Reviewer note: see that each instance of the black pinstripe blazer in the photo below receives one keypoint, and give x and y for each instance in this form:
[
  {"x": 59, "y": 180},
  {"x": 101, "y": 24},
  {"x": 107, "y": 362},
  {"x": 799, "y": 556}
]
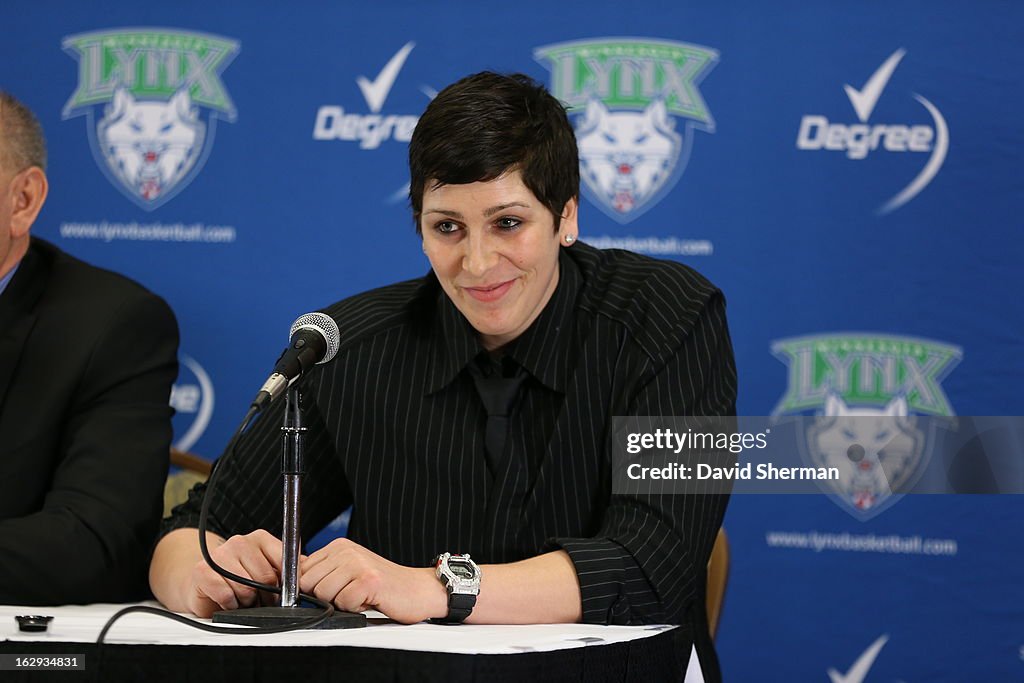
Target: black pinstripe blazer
[{"x": 397, "y": 431}]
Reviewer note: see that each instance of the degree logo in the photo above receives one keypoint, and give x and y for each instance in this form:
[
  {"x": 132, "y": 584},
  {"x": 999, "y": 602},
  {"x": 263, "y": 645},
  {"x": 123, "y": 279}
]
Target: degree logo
[
  {"x": 369, "y": 130},
  {"x": 858, "y": 140},
  {"x": 192, "y": 399}
]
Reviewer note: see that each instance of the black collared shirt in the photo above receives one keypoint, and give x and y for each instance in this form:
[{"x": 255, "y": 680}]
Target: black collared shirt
[{"x": 396, "y": 429}]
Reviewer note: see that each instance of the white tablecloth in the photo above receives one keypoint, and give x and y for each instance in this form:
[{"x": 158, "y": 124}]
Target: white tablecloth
[{"x": 82, "y": 624}]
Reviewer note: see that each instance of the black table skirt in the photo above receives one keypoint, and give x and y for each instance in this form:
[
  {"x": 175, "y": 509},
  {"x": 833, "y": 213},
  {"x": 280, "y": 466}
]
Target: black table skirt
[{"x": 644, "y": 660}]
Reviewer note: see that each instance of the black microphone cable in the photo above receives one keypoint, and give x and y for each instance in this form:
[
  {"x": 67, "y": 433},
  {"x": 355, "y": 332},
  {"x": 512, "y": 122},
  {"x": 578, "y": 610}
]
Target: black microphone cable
[{"x": 306, "y": 623}]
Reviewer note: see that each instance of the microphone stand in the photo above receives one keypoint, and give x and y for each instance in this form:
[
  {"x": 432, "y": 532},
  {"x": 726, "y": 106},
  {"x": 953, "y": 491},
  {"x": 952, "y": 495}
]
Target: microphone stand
[{"x": 292, "y": 469}]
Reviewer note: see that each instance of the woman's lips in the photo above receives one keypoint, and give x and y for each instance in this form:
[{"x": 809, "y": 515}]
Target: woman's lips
[{"x": 489, "y": 294}]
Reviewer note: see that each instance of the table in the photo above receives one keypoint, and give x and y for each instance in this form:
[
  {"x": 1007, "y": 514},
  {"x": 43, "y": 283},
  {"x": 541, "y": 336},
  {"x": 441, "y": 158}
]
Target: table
[{"x": 148, "y": 648}]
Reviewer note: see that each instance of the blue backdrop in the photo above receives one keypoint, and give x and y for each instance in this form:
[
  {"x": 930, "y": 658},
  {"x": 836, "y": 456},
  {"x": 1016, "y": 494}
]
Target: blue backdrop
[{"x": 848, "y": 173}]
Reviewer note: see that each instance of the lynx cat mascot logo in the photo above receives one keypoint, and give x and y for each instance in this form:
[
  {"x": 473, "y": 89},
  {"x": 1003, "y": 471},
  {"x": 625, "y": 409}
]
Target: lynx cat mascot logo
[
  {"x": 866, "y": 391},
  {"x": 876, "y": 450},
  {"x": 152, "y": 98},
  {"x": 150, "y": 146},
  {"x": 635, "y": 105}
]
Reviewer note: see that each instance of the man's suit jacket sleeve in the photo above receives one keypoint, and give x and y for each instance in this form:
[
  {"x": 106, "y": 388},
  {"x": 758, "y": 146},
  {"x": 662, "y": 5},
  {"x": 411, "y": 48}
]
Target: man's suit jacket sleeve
[{"x": 92, "y": 539}]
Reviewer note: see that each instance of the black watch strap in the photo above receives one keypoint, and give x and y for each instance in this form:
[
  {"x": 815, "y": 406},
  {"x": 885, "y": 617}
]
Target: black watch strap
[{"x": 459, "y": 607}]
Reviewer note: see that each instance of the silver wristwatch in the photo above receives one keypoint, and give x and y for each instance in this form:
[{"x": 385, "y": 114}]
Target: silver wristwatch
[{"x": 461, "y": 578}]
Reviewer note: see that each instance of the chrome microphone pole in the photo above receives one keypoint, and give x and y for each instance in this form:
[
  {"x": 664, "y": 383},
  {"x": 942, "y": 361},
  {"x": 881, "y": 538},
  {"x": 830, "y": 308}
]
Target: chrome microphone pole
[{"x": 292, "y": 469}]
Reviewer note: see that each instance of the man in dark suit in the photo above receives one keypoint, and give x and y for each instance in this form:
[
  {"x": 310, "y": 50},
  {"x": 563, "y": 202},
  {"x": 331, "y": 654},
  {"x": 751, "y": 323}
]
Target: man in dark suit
[{"x": 87, "y": 359}]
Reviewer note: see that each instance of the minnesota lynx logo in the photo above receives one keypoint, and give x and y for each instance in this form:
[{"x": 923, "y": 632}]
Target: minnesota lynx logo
[
  {"x": 152, "y": 98},
  {"x": 866, "y": 391},
  {"x": 876, "y": 450},
  {"x": 635, "y": 104}
]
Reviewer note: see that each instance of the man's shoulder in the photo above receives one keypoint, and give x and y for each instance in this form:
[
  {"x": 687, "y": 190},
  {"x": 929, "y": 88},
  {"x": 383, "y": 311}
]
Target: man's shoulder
[
  {"x": 396, "y": 307},
  {"x": 101, "y": 286},
  {"x": 658, "y": 301},
  {"x": 81, "y": 322}
]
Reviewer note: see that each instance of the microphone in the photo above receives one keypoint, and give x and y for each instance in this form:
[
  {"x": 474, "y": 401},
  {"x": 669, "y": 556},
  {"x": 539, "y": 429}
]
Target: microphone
[{"x": 314, "y": 339}]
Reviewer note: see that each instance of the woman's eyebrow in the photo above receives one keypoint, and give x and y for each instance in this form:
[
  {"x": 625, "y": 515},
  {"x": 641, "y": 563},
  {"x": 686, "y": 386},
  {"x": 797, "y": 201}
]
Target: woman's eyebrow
[
  {"x": 446, "y": 212},
  {"x": 487, "y": 212},
  {"x": 501, "y": 207}
]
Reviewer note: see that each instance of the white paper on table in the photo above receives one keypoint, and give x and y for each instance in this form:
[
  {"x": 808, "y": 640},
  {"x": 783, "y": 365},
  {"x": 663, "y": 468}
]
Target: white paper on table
[{"x": 82, "y": 624}]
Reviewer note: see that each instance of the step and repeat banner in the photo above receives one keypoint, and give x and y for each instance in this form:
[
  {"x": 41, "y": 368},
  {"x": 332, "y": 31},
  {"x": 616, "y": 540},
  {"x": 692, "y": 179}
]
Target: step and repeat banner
[{"x": 850, "y": 174}]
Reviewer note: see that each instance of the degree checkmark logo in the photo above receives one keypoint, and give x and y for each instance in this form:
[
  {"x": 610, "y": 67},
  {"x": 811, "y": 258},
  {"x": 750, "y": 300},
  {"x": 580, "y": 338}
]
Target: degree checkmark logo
[
  {"x": 865, "y": 99},
  {"x": 859, "y": 671},
  {"x": 377, "y": 90}
]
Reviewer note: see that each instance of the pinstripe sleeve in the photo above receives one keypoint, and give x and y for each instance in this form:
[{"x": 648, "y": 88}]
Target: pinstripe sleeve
[{"x": 647, "y": 562}]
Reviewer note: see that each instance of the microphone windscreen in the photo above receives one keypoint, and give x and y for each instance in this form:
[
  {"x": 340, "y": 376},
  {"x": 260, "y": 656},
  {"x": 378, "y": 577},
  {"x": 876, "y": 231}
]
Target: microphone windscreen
[{"x": 325, "y": 325}]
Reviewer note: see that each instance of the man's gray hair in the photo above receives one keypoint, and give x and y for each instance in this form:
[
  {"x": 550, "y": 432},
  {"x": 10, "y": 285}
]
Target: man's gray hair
[{"x": 22, "y": 144}]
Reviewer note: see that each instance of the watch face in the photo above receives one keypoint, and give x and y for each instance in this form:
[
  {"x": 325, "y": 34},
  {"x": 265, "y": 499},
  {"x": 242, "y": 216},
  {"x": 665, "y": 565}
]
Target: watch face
[{"x": 461, "y": 570}]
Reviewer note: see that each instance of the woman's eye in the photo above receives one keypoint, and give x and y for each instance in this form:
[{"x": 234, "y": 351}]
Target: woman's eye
[
  {"x": 446, "y": 227},
  {"x": 508, "y": 223}
]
